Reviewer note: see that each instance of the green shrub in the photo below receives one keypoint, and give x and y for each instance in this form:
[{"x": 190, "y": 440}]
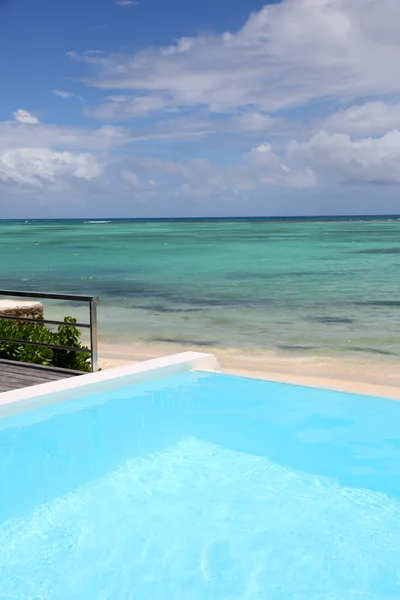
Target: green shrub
[{"x": 36, "y": 332}]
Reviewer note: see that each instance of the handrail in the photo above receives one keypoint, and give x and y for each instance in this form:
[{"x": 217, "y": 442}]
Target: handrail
[
  {"x": 92, "y": 325},
  {"x": 42, "y": 321},
  {"x": 43, "y": 344},
  {"x": 50, "y": 296}
]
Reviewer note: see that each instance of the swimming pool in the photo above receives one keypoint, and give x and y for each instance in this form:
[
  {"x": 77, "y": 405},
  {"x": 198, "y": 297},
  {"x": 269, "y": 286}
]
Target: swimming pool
[{"x": 202, "y": 486}]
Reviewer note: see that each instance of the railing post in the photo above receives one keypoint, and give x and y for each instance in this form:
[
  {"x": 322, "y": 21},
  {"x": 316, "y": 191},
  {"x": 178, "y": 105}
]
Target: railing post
[
  {"x": 92, "y": 325},
  {"x": 93, "y": 336}
]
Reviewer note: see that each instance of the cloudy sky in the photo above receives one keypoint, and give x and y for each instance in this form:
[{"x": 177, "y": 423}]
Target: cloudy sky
[{"x": 199, "y": 107}]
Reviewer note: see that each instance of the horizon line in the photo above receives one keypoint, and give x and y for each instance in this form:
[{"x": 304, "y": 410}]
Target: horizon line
[{"x": 226, "y": 218}]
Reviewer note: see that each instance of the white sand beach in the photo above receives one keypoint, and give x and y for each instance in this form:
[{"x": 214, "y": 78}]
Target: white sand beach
[{"x": 360, "y": 376}]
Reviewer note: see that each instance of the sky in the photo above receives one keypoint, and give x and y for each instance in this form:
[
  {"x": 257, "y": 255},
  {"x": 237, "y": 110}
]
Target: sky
[{"x": 174, "y": 108}]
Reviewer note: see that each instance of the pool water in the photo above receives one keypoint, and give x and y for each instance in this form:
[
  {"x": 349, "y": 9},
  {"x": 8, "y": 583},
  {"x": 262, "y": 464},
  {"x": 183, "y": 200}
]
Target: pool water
[{"x": 199, "y": 487}]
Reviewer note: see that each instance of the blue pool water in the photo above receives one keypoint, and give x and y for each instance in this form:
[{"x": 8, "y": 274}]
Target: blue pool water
[{"x": 202, "y": 487}]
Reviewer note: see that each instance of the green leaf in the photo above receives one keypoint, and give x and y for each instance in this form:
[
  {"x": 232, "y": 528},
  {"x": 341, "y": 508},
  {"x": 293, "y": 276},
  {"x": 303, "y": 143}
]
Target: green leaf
[{"x": 36, "y": 332}]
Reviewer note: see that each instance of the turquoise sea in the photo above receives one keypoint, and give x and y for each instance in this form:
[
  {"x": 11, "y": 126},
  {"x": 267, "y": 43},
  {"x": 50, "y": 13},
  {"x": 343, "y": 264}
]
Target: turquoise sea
[{"x": 300, "y": 287}]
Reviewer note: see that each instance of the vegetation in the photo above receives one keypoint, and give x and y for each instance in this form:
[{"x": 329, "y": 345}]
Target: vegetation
[{"x": 36, "y": 332}]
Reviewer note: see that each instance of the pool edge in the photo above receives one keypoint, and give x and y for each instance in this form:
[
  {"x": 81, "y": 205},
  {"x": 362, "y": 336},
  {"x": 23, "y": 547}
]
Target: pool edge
[{"x": 17, "y": 401}]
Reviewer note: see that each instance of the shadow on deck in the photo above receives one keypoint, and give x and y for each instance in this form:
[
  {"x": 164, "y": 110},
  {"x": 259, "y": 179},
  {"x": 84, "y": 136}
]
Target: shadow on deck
[{"x": 14, "y": 376}]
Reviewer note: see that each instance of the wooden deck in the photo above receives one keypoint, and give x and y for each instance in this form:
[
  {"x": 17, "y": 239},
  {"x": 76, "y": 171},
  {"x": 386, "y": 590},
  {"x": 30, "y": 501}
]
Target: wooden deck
[{"x": 14, "y": 376}]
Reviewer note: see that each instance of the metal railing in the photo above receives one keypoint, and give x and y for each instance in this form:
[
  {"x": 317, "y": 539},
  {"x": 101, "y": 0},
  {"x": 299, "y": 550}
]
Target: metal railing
[{"x": 92, "y": 325}]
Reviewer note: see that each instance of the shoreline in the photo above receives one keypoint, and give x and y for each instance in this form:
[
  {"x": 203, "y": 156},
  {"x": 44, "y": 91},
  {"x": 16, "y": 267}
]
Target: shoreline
[{"x": 359, "y": 376}]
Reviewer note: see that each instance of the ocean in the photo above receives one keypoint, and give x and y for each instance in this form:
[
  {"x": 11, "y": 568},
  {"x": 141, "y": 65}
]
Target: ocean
[{"x": 308, "y": 287}]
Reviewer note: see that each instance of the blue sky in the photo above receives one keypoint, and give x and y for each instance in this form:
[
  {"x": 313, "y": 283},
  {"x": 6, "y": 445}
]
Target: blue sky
[{"x": 212, "y": 107}]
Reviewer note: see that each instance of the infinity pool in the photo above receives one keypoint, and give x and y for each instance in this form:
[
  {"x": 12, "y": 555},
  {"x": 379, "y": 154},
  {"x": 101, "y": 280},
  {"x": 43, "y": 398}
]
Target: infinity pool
[{"x": 202, "y": 486}]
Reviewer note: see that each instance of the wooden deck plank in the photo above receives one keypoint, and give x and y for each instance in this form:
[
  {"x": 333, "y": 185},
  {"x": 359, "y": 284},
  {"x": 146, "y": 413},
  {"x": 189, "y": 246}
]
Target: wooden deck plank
[
  {"x": 14, "y": 376},
  {"x": 34, "y": 377},
  {"x": 32, "y": 373}
]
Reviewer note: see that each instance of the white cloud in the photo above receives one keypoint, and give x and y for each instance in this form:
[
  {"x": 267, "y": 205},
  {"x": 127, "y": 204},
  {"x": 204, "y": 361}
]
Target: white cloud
[
  {"x": 35, "y": 166},
  {"x": 66, "y": 95},
  {"x": 251, "y": 122},
  {"x": 199, "y": 178},
  {"x": 23, "y": 116},
  {"x": 27, "y": 132},
  {"x": 125, "y": 2},
  {"x": 367, "y": 160},
  {"x": 284, "y": 56},
  {"x": 117, "y": 108},
  {"x": 275, "y": 172},
  {"x": 371, "y": 118},
  {"x": 34, "y": 154},
  {"x": 32, "y": 133},
  {"x": 122, "y": 107},
  {"x": 259, "y": 83}
]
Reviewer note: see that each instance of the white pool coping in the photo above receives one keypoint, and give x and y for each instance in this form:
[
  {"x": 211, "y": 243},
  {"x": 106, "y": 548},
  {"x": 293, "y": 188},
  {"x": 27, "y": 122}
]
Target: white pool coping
[{"x": 53, "y": 392}]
